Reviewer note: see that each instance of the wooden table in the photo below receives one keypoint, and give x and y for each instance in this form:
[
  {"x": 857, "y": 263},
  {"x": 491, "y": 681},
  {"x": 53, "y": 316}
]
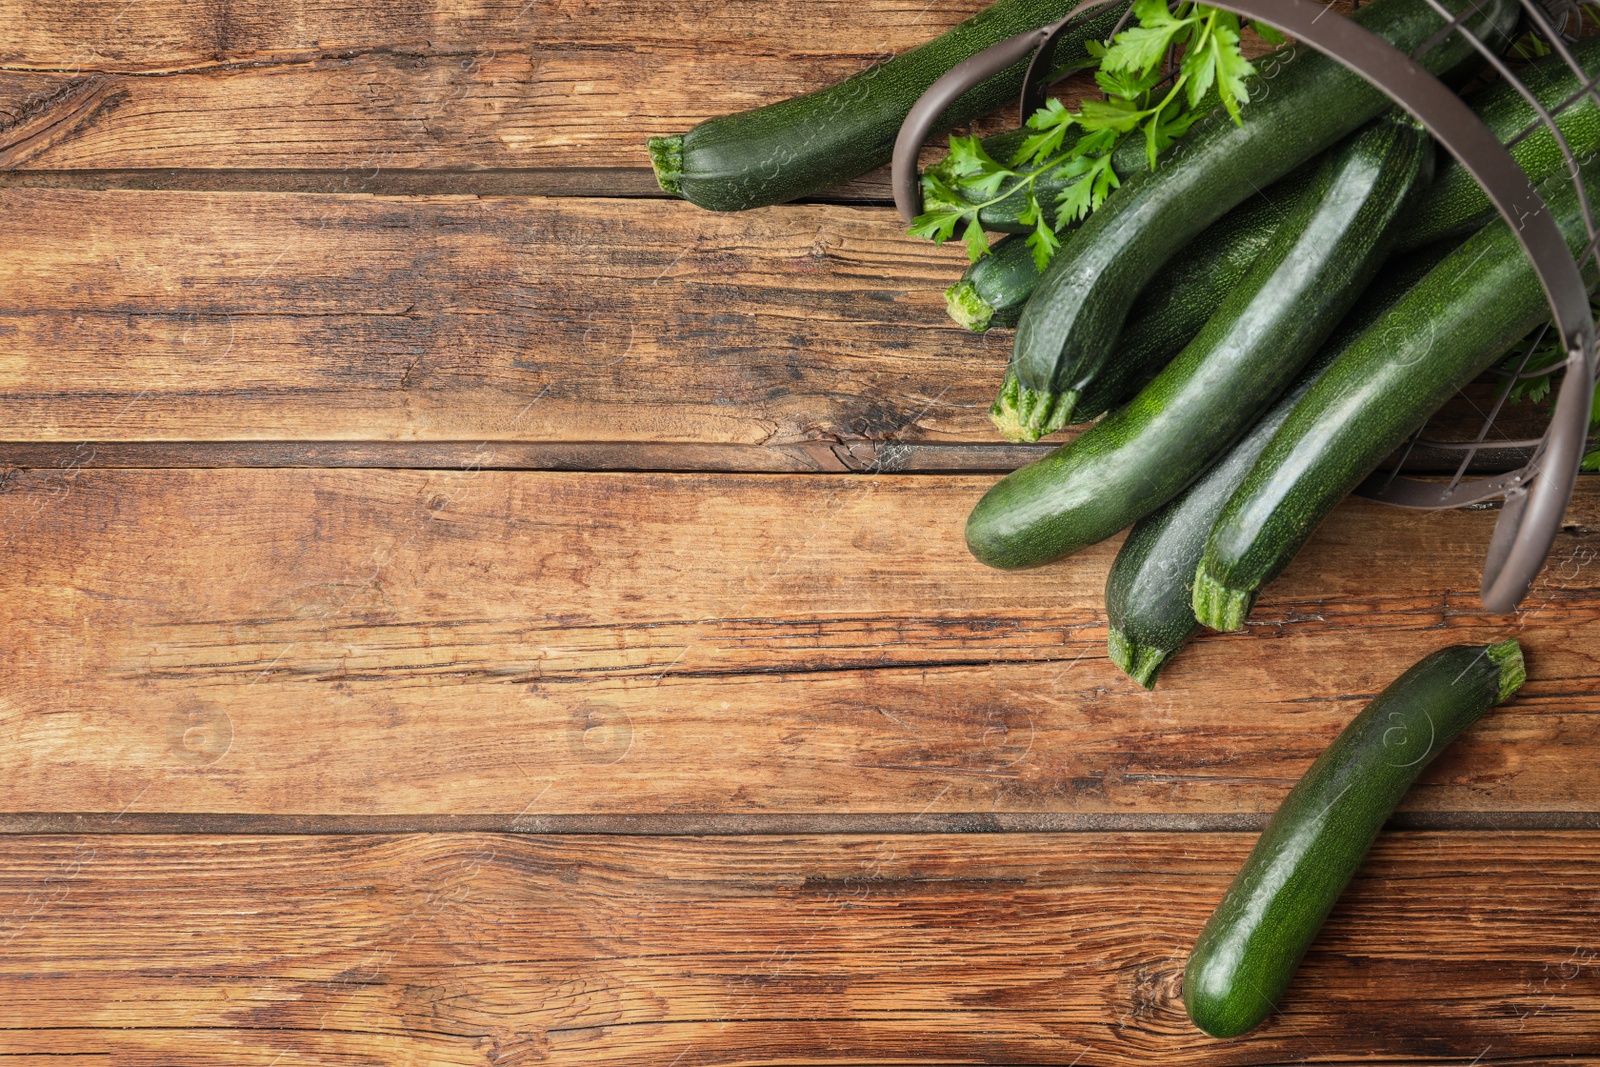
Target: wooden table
[{"x": 459, "y": 607}]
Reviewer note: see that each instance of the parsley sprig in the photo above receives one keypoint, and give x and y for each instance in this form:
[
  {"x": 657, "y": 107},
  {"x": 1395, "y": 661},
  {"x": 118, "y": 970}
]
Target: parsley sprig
[{"x": 1141, "y": 95}]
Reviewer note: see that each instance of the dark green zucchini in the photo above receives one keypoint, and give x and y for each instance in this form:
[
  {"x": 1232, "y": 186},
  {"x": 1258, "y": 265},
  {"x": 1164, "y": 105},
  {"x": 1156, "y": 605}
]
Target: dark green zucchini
[
  {"x": 1167, "y": 315},
  {"x": 1446, "y": 331},
  {"x": 1457, "y": 204},
  {"x": 803, "y": 145},
  {"x": 1143, "y": 455},
  {"x": 992, "y": 291},
  {"x": 1069, "y": 328},
  {"x": 1247, "y": 953},
  {"x": 1149, "y": 588}
]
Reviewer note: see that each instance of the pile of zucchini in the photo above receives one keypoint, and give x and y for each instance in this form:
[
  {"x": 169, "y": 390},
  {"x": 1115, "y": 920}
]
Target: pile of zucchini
[
  {"x": 1318, "y": 339},
  {"x": 1253, "y": 324}
]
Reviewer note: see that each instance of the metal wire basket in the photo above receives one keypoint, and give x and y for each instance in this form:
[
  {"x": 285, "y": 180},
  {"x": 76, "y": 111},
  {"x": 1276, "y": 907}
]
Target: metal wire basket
[{"x": 1536, "y": 492}]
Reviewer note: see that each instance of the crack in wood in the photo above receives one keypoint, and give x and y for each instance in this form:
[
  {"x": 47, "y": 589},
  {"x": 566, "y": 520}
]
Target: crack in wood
[
  {"x": 309, "y": 57},
  {"x": 711, "y": 824}
]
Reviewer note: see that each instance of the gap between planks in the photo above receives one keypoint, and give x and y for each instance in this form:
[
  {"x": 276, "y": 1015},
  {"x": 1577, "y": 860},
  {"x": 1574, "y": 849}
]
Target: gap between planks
[
  {"x": 848, "y": 457},
  {"x": 616, "y": 183},
  {"x": 717, "y": 825},
  {"x": 820, "y": 457}
]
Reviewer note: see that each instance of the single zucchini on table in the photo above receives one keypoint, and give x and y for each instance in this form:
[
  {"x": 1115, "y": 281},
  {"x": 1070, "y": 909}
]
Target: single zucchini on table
[
  {"x": 1069, "y": 328},
  {"x": 1249, "y": 950},
  {"x": 803, "y": 145},
  {"x": 1249, "y": 351}
]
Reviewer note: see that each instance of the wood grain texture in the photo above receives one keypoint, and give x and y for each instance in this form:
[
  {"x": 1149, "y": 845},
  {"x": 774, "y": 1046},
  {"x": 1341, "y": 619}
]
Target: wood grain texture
[
  {"x": 801, "y": 338},
  {"x": 1034, "y": 949},
  {"x": 371, "y": 642},
  {"x": 436, "y": 84},
  {"x": 164, "y": 316},
  {"x": 864, "y": 726}
]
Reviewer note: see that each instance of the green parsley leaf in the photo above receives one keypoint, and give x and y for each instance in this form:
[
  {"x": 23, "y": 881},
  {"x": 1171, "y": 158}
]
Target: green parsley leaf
[
  {"x": 1044, "y": 242},
  {"x": 968, "y": 157},
  {"x": 1144, "y": 93},
  {"x": 1052, "y": 121},
  {"x": 1118, "y": 115},
  {"x": 1139, "y": 50},
  {"x": 1199, "y": 69},
  {"x": 937, "y": 226},
  {"x": 1087, "y": 193},
  {"x": 977, "y": 241},
  {"x": 1268, "y": 34},
  {"x": 1231, "y": 70},
  {"x": 1126, "y": 86}
]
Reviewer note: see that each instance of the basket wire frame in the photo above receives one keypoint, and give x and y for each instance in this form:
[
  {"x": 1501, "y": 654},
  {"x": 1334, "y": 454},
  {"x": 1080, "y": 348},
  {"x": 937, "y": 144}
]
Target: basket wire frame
[{"x": 1537, "y": 491}]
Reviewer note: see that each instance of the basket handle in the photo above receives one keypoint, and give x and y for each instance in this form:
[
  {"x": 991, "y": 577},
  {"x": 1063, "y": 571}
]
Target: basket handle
[
  {"x": 1531, "y": 518},
  {"x": 924, "y": 116}
]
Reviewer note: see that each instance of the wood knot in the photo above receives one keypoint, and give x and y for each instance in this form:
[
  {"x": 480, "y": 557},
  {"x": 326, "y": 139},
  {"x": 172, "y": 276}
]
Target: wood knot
[{"x": 1155, "y": 996}]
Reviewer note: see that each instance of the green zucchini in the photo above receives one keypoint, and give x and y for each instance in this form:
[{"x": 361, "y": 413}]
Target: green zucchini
[
  {"x": 1069, "y": 328},
  {"x": 1144, "y": 454},
  {"x": 1446, "y": 331},
  {"x": 1313, "y": 844},
  {"x": 1454, "y": 206},
  {"x": 1168, "y": 314},
  {"x": 1457, "y": 204},
  {"x": 805, "y": 144},
  {"x": 1149, "y": 587},
  {"x": 992, "y": 291}
]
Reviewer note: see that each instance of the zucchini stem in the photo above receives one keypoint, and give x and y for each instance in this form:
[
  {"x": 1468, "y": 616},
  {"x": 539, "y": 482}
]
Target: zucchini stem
[
  {"x": 1219, "y": 606},
  {"x": 1139, "y": 663},
  {"x": 1507, "y": 655},
  {"x": 967, "y": 307},
  {"x": 1024, "y": 414},
  {"x": 666, "y": 158}
]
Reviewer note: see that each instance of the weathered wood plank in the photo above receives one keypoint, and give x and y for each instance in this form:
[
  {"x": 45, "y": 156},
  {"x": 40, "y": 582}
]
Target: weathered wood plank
[
  {"x": 809, "y": 337},
  {"x": 745, "y": 824},
  {"x": 534, "y": 181},
  {"x": 372, "y": 642},
  {"x": 441, "y": 84},
  {"x": 160, "y": 36},
  {"x": 1017, "y": 948},
  {"x": 164, "y": 316}
]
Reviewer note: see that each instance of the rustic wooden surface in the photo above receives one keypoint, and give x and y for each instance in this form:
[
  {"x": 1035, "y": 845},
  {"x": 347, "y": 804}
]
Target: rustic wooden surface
[
  {"x": 459, "y": 606},
  {"x": 440, "y": 84},
  {"x": 1004, "y": 948},
  {"x": 808, "y": 337},
  {"x": 489, "y": 642}
]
